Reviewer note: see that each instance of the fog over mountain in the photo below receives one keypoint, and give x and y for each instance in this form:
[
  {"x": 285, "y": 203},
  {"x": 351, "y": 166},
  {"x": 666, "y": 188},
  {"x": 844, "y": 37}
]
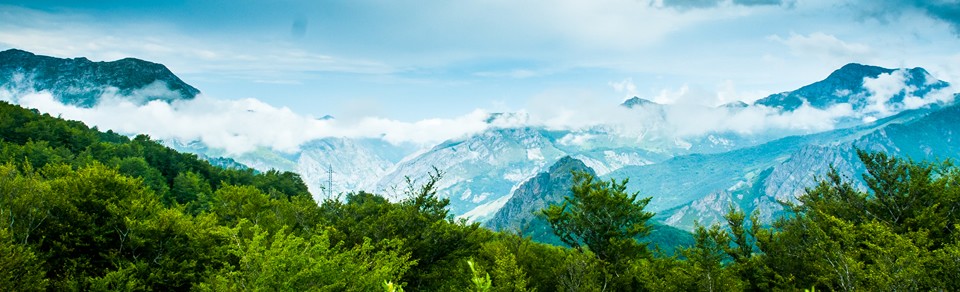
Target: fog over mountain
[
  {"x": 485, "y": 155},
  {"x": 243, "y": 125}
]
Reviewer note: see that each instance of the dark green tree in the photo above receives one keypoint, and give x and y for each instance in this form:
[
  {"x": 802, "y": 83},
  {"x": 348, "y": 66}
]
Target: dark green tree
[
  {"x": 705, "y": 260},
  {"x": 436, "y": 242},
  {"x": 604, "y": 218},
  {"x": 20, "y": 269}
]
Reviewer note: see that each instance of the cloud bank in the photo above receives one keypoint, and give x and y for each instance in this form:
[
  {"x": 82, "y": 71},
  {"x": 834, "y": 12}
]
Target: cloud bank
[
  {"x": 822, "y": 45},
  {"x": 242, "y": 125},
  {"x": 689, "y": 112}
]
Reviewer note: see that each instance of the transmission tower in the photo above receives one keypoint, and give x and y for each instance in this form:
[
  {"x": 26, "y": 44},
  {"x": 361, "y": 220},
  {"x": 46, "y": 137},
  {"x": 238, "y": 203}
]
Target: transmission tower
[{"x": 329, "y": 181}]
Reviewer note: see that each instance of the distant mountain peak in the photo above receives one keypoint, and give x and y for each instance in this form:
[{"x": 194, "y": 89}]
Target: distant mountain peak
[
  {"x": 16, "y": 52},
  {"x": 846, "y": 85},
  {"x": 636, "y": 101},
  {"x": 859, "y": 69},
  {"x": 537, "y": 193},
  {"x": 734, "y": 105},
  {"x": 79, "y": 81},
  {"x": 567, "y": 164},
  {"x": 492, "y": 117}
]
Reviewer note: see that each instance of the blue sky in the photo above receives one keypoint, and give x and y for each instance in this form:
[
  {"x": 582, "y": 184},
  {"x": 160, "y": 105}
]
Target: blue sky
[{"x": 415, "y": 60}]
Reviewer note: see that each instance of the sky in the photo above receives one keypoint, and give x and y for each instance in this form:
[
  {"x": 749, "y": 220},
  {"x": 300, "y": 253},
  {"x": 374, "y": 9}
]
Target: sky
[{"x": 415, "y": 62}]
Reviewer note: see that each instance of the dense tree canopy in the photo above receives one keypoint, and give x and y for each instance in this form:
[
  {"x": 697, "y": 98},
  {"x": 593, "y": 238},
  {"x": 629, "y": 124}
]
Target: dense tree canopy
[{"x": 82, "y": 209}]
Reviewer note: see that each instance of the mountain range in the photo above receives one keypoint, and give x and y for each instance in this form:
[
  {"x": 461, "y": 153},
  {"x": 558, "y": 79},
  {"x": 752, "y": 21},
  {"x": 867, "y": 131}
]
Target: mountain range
[
  {"x": 846, "y": 86},
  {"x": 82, "y": 82},
  {"x": 501, "y": 175}
]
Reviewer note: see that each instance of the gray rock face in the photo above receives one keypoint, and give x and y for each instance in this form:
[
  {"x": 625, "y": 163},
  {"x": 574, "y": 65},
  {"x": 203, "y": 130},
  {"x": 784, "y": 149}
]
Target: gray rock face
[
  {"x": 537, "y": 193},
  {"x": 480, "y": 171},
  {"x": 82, "y": 82},
  {"x": 804, "y": 168},
  {"x": 357, "y": 164},
  {"x": 765, "y": 180}
]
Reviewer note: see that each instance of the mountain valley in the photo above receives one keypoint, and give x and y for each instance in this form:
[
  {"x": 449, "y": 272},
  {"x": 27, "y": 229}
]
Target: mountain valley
[{"x": 491, "y": 175}]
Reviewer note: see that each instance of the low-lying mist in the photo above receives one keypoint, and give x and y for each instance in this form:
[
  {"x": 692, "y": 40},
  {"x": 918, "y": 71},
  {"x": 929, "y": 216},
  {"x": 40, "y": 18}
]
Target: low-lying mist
[{"x": 243, "y": 125}]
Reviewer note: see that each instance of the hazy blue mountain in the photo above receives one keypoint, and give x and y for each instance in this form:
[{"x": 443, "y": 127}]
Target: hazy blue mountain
[
  {"x": 540, "y": 191},
  {"x": 735, "y": 105},
  {"x": 82, "y": 82},
  {"x": 638, "y": 102},
  {"x": 224, "y": 162},
  {"x": 261, "y": 159},
  {"x": 215, "y": 158},
  {"x": 701, "y": 187},
  {"x": 547, "y": 188},
  {"x": 845, "y": 85},
  {"x": 357, "y": 163},
  {"x": 656, "y": 130},
  {"x": 482, "y": 170}
]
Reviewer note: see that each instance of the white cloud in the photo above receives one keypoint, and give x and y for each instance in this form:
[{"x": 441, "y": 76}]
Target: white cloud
[
  {"x": 678, "y": 120},
  {"x": 576, "y": 139},
  {"x": 571, "y": 33},
  {"x": 883, "y": 88},
  {"x": 727, "y": 92},
  {"x": 685, "y": 94},
  {"x": 723, "y": 93},
  {"x": 240, "y": 126},
  {"x": 568, "y": 42},
  {"x": 691, "y": 120},
  {"x": 69, "y": 35},
  {"x": 688, "y": 111},
  {"x": 243, "y": 125},
  {"x": 822, "y": 45},
  {"x": 625, "y": 87}
]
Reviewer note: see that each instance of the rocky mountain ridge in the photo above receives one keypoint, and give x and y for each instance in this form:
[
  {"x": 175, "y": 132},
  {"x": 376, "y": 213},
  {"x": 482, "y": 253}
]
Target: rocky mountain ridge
[{"x": 82, "y": 82}]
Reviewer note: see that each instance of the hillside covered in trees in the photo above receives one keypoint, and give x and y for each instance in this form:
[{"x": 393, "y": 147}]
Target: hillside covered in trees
[{"x": 82, "y": 209}]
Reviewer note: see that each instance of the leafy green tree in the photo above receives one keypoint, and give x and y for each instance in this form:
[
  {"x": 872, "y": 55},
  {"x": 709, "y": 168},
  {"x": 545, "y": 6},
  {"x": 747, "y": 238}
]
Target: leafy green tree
[
  {"x": 944, "y": 265},
  {"x": 663, "y": 273},
  {"x": 842, "y": 238},
  {"x": 604, "y": 218},
  {"x": 910, "y": 196},
  {"x": 137, "y": 167},
  {"x": 286, "y": 262},
  {"x": 26, "y": 202},
  {"x": 706, "y": 260},
  {"x": 277, "y": 184},
  {"x": 192, "y": 190},
  {"x": 112, "y": 232},
  {"x": 20, "y": 268},
  {"x": 236, "y": 203},
  {"x": 436, "y": 242},
  {"x": 505, "y": 271},
  {"x": 520, "y": 264},
  {"x": 580, "y": 271},
  {"x": 480, "y": 280}
]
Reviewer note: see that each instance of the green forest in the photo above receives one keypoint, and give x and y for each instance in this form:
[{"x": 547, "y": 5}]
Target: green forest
[{"x": 82, "y": 209}]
